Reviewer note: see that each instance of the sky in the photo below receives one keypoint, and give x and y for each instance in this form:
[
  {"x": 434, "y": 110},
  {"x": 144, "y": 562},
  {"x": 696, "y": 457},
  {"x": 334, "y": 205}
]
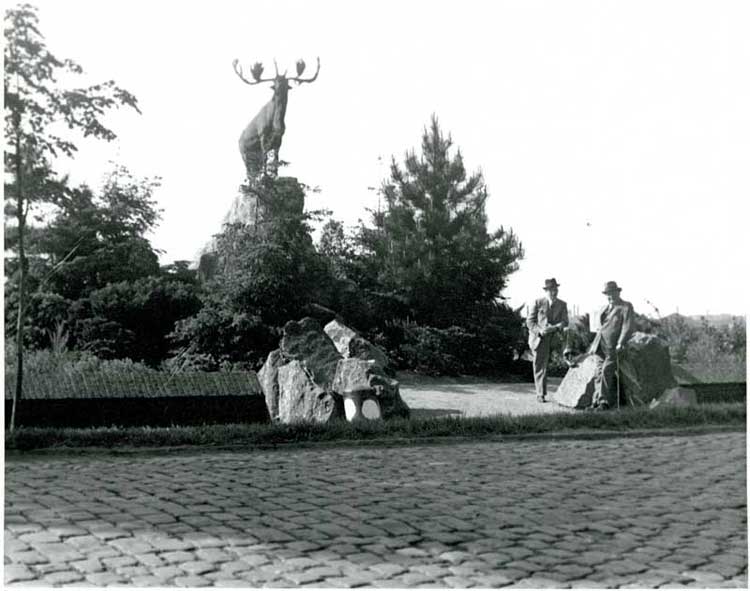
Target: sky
[{"x": 614, "y": 137}]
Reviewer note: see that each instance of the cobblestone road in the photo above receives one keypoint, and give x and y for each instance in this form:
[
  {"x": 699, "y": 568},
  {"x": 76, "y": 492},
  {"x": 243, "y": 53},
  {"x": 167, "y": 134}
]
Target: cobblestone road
[{"x": 640, "y": 512}]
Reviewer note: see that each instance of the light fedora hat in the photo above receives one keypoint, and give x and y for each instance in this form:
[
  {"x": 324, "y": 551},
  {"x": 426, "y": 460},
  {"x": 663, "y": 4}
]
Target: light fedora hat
[
  {"x": 550, "y": 283},
  {"x": 610, "y": 287}
]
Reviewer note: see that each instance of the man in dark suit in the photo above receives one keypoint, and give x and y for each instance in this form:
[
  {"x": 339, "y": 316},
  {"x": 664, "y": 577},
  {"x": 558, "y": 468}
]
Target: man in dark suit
[
  {"x": 617, "y": 325},
  {"x": 548, "y": 316}
]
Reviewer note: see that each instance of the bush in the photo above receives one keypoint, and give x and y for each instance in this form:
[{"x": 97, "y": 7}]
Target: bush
[{"x": 477, "y": 349}]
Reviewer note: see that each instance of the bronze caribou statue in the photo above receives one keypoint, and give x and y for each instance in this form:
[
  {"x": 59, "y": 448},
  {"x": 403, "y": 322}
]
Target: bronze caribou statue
[{"x": 264, "y": 133}]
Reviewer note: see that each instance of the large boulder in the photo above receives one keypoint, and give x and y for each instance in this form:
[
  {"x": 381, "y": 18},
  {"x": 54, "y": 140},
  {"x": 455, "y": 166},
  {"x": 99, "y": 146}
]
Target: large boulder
[
  {"x": 350, "y": 344},
  {"x": 645, "y": 373},
  {"x": 268, "y": 376},
  {"x": 301, "y": 399},
  {"x": 645, "y": 369},
  {"x": 577, "y": 387},
  {"x": 308, "y": 377},
  {"x": 306, "y": 342},
  {"x": 364, "y": 379}
]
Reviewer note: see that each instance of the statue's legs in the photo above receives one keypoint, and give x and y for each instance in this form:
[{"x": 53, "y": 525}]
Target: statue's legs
[{"x": 272, "y": 163}]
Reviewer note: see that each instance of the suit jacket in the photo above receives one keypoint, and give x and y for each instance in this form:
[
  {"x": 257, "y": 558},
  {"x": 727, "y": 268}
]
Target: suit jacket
[
  {"x": 617, "y": 326},
  {"x": 542, "y": 315}
]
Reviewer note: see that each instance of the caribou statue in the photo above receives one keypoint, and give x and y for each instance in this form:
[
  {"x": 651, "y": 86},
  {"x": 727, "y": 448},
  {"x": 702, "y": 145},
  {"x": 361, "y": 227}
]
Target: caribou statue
[{"x": 263, "y": 134}]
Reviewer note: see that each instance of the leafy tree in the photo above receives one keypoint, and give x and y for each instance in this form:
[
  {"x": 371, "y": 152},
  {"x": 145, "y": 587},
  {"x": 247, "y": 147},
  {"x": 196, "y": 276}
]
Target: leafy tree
[
  {"x": 131, "y": 319},
  {"x": 94, "y": 240},
  {"x": 431, "y": 244},
  {"x": 35, "y": 105}
]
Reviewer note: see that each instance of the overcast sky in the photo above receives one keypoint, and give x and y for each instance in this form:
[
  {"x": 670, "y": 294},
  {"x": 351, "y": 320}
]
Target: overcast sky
[{"x": 614, "y": 136}]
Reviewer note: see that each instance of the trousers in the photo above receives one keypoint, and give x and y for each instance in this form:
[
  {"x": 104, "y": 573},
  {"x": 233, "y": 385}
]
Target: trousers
[
  {"x": 539, "y": 364},
  {"x": 605, "y": 382}
]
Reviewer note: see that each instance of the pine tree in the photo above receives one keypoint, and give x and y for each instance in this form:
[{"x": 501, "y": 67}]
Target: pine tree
[{"x": 432, "y": 244}]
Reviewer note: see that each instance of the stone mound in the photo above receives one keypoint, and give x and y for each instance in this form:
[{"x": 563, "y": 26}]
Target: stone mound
[
  {"x": 645, "y": 373},
  {"x": 312, "y": 373}
]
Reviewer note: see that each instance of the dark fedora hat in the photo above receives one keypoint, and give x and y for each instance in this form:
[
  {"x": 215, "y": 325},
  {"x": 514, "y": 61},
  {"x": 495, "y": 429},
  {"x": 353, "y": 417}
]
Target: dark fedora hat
[
  {"x": 610, "y": 287},
  {"x": 550, "y": 283}
]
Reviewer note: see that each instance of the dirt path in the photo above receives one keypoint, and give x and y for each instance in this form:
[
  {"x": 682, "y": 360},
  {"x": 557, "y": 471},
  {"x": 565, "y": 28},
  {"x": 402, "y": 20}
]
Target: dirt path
[{"x": 473, "y": 397}]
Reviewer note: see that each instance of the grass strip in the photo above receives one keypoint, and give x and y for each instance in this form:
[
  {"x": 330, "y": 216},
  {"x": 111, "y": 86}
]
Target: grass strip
[{"x": 628, "y": 419}]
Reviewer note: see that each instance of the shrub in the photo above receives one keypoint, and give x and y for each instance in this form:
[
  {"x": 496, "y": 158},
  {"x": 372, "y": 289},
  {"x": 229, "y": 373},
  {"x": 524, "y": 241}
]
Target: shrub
[{"x": 476, "y": 349}]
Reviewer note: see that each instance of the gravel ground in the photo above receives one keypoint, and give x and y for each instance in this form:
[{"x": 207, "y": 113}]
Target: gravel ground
[{"x": 473, "y": 397}]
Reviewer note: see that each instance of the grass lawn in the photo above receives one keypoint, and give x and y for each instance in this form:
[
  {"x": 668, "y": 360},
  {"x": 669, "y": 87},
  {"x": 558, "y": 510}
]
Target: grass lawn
[{"x": 726, "y": 415}]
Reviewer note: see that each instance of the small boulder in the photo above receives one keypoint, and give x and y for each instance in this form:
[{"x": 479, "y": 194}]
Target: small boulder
[
  {"x": 350, "y": 344},
  {"x": 364, "y": 378},
  {"x": 577, "y": 387},
  {"x": 301, "y": 399},
  {"x": 677, "y": 396},
  {"x": 341, "y": 335}
]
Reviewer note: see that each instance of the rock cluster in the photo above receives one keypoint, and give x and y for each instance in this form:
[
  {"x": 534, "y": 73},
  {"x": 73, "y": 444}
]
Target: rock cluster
[
  {"x": 645, "y": 374},
  {"x": 316, "y": 369}
]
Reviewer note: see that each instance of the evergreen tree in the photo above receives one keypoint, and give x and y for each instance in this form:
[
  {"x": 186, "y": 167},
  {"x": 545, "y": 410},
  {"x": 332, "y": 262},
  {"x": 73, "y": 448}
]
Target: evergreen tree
[{"x": 432, "y": 245}]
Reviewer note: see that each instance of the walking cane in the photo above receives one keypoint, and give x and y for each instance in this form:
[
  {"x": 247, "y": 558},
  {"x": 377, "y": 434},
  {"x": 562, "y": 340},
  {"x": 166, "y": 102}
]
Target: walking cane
[{"x": 617, "y": 363}]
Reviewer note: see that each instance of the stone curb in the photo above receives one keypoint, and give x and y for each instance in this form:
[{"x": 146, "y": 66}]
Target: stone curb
[{"x": 376, "y": 442}]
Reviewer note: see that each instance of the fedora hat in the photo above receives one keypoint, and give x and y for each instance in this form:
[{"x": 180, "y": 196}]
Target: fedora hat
[
  {"x": 550, "y": 283},
  {"x": 610, "y": 287}
]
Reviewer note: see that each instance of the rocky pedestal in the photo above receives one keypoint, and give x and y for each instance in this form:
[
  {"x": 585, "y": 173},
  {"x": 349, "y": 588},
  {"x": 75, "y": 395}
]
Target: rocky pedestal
[
  {"x": 308, "y": 378},
  {"x": 254, "y": 205},
  {"x": 577, "y": 388}
]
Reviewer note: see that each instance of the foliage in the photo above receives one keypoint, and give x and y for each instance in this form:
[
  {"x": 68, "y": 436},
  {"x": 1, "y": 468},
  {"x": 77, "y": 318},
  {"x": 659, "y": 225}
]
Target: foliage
[
  {"x": 35, "y": 105},
  {"x": 268, "y": 274},
  {"x": 431, "y": 245},
  {"x": 32, "y": 91},
  {"x": 484, "y": 346},
  {"x": 128, "y": 319},
  {"x": 91, "y": 240},
  {"x": 423, "y": 279},
  {"x": 701, "y": 341},
  {"x": 220, "y": 337},
  {"x": 63, "y": 374},
  {"x": 147, "y": 309}
]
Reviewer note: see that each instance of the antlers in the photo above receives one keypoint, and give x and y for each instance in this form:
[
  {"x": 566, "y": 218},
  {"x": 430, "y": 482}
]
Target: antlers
[
  {"x": 300, "y": 69},
  {"x": 257, "y": 72}
]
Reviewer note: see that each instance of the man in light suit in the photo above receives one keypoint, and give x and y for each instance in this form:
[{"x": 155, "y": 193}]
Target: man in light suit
[
  {"x": 617, "y": 325},
  {"x": 547, "y": 317}
]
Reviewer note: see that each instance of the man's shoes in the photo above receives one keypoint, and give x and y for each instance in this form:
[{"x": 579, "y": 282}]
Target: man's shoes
[
  {"x": 602, "y": 407},
  {"x": 541, "y": 398}
]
